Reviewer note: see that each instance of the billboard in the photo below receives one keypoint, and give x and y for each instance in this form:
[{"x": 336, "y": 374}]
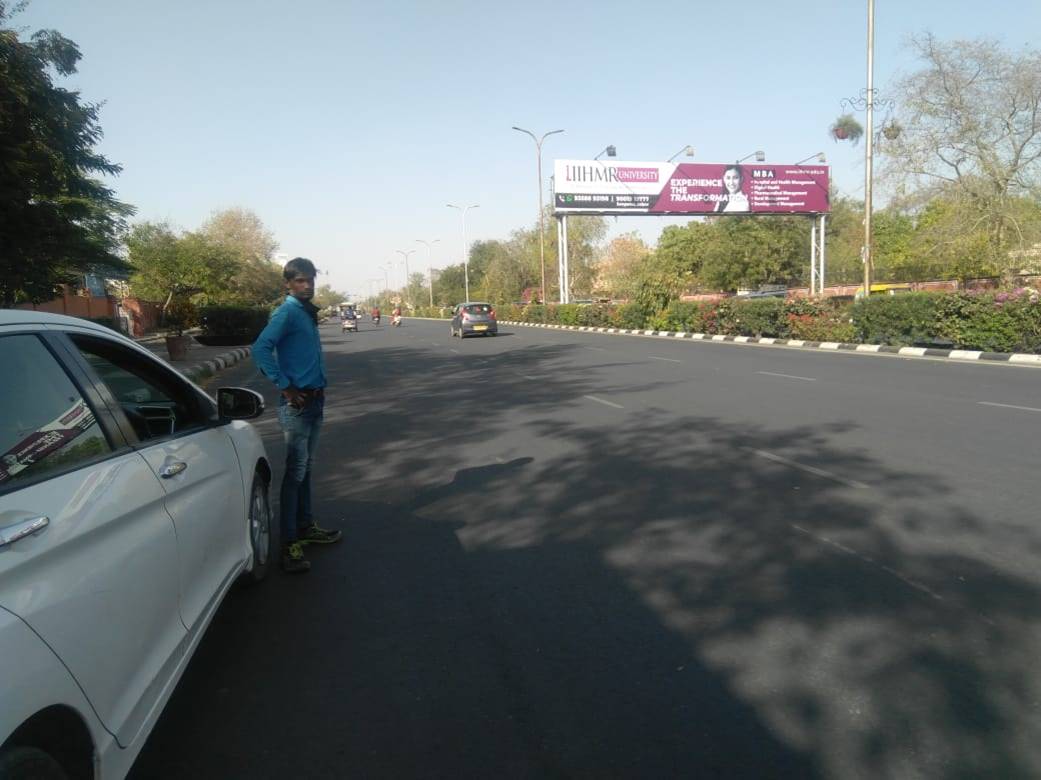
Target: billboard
[{"x": 610, "y": 187}]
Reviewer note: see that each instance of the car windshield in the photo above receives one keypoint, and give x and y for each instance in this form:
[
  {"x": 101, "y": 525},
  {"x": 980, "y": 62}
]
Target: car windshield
[{"x": 477, "y": 308}]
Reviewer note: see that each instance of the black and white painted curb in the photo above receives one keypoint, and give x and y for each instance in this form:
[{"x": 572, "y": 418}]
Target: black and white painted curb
[
  {"x": 835, "y": 346},
  {"x": 219, "y": 363}
]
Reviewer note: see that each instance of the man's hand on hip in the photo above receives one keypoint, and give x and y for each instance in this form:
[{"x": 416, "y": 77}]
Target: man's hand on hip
[{"x": 295, "y": 398}]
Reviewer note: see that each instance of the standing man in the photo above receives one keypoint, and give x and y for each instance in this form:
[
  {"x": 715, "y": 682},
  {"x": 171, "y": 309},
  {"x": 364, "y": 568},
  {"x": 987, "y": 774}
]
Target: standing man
[{"x": 289, "y": 353}]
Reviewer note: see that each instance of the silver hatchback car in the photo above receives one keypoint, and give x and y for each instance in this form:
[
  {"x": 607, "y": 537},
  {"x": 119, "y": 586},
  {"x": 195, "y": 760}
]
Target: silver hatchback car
[{"x": 474, "y": 317}]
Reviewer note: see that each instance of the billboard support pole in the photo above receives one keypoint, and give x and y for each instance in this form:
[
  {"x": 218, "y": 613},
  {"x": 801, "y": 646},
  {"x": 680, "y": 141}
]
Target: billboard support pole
[
  {"x": 813, "y": 256},
  {"x": 560, "y": 243},
  {"x": 565, "y": 265},
  {"x": 823, "y": 234}
]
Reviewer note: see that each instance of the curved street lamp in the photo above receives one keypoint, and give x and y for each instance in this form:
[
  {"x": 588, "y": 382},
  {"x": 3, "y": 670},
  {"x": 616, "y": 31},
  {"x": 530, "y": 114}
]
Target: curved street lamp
[
  {"x": 542, "y": 232},
  {"x": 687, "y": 151},
  {"x": 610, "y": 151},
  {"x": 405, "y": 254},
  {"x": 466, "y": 254},
  {"x": 819, "y": 157},
  {"x": 758, "y": 155},
  {"x": 430, "y": 267}
]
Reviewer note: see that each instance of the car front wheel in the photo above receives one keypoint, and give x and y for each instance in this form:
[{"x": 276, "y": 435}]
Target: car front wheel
[{"x": 259, "y": 528}]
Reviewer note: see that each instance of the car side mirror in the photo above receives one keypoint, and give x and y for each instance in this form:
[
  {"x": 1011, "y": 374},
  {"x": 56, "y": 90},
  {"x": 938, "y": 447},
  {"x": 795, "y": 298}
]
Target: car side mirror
[{"x": 239, "y": 403}]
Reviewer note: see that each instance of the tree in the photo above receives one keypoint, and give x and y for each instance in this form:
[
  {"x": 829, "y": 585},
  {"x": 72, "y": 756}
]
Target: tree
[
  {"x": 258, "y": 280},
  {"x": 584, "y": 237},
  {"x": 167, "y": 264},
  {"x": 326, "y": 297},
  {"x": 585, "y": 234},
  {"x": 448, "y": 286},
  {"x": 971, "y": 129},
  {"x": 618, "y": 270},
  {"x": 747, "y": 252},
  {"x": 416, "y": 293},
  {"x": 56, "y": 219},
  {"x": 503, "y": 275},
  {"x": 845, "y": 236}
]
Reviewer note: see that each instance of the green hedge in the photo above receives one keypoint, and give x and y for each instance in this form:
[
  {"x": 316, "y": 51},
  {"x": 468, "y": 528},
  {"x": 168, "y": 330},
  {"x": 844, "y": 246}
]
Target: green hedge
[
  {"x": 990, "y": 321},
  {"x": 900, "y": 320},
  {"x": 997, "y": 322}
]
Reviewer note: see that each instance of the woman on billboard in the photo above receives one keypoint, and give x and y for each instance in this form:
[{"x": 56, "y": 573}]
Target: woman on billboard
[{"x": 734, "y": 199}]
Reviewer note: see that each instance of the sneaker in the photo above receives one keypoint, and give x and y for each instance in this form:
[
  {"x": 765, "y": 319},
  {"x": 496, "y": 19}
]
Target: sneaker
[
  {"x": 293, "y": 559},
  {"x": 312, "y": 534}
]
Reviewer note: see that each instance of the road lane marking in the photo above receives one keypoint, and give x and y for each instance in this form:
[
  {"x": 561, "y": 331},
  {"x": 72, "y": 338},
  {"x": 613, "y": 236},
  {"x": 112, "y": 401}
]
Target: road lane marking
[
  {"x": 597, "y": 349},
  {"x": 456, "y": 351},
  {"x": 1009, "y": 406},
  {"x": 671, "y": 360},
  {"x": 602, "y": 401},
  {"x": 788, "y": 376},
  {"x": 871, "y": 561},
  {"x": 810, "y": 469}
]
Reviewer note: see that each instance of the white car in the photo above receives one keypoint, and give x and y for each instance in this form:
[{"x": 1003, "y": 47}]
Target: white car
[{"x": 130, "y": 503}]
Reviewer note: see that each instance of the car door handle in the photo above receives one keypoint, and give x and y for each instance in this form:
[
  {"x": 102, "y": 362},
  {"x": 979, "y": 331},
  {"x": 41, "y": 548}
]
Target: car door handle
[
  {"x": 172, "y": 469},
  {"x": 10, "y": 534}
]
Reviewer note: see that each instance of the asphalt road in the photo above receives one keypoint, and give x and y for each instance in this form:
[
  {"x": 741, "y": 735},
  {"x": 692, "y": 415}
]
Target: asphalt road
[{"x": 580, "y": 555}]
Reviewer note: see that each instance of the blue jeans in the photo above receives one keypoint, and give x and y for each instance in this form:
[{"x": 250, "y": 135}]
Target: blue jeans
[{"x": 300, "y": 429}]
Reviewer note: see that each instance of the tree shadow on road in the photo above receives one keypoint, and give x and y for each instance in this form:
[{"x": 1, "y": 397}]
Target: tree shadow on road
[{"x": 526, "y": 592}]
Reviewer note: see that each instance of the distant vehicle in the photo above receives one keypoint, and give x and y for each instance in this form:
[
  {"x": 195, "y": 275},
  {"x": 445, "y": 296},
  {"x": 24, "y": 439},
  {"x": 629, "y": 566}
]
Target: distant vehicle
[
  {"x": 766, "y": 291},
  {"x": 348, "y": 320},
  {"x": 474, "y": 317},
  {"x": 130, "y": 502},
  {"x": 890, "y": 289}
]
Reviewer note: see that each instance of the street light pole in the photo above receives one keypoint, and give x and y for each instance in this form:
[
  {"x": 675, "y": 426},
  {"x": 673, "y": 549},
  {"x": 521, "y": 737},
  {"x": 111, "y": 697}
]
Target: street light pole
[
  {"x": 370, "y": 281},
  {"x": 758, "y": 155},
  {"x": 542, "y": 231},
  {"x": 868, "y": 147},
  {"x": 687, "y": 150},
  {"x": 819, "y": 157},
  {"x": 405, "y": 254},
  {"x": 430, "y": 265},
  {"x": 466, "y": 254}
]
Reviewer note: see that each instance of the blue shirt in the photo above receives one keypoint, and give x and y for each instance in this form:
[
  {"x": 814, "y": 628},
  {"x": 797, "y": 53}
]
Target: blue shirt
[{"x": 293, "y": 335}]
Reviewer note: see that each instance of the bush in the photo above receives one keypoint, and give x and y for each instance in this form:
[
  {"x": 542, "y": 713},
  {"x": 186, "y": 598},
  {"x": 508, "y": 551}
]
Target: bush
[
  {"x": 534, "y": 312},
  {"x": 434, "y": 312},
  {"x": 758, "y": 317},
  {"x": 629, "y": 316},
  {"x": 566, "y": 313},
  {"x": 899, "y": 320},
  {"x": 511, "y": 311},
  {"x": 995, "y": 322},
  {"x": 594, "y": 316},
  {"x": 232, "y": 325},
  {"x": 824, "y": 327},
  {"x": 1002, "y": 322},
  {"x": 677, "y": 316}
]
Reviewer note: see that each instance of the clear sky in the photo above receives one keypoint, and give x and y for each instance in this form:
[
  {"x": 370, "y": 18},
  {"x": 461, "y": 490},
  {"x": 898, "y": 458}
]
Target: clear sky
[{"x": 347, "y": 126}]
